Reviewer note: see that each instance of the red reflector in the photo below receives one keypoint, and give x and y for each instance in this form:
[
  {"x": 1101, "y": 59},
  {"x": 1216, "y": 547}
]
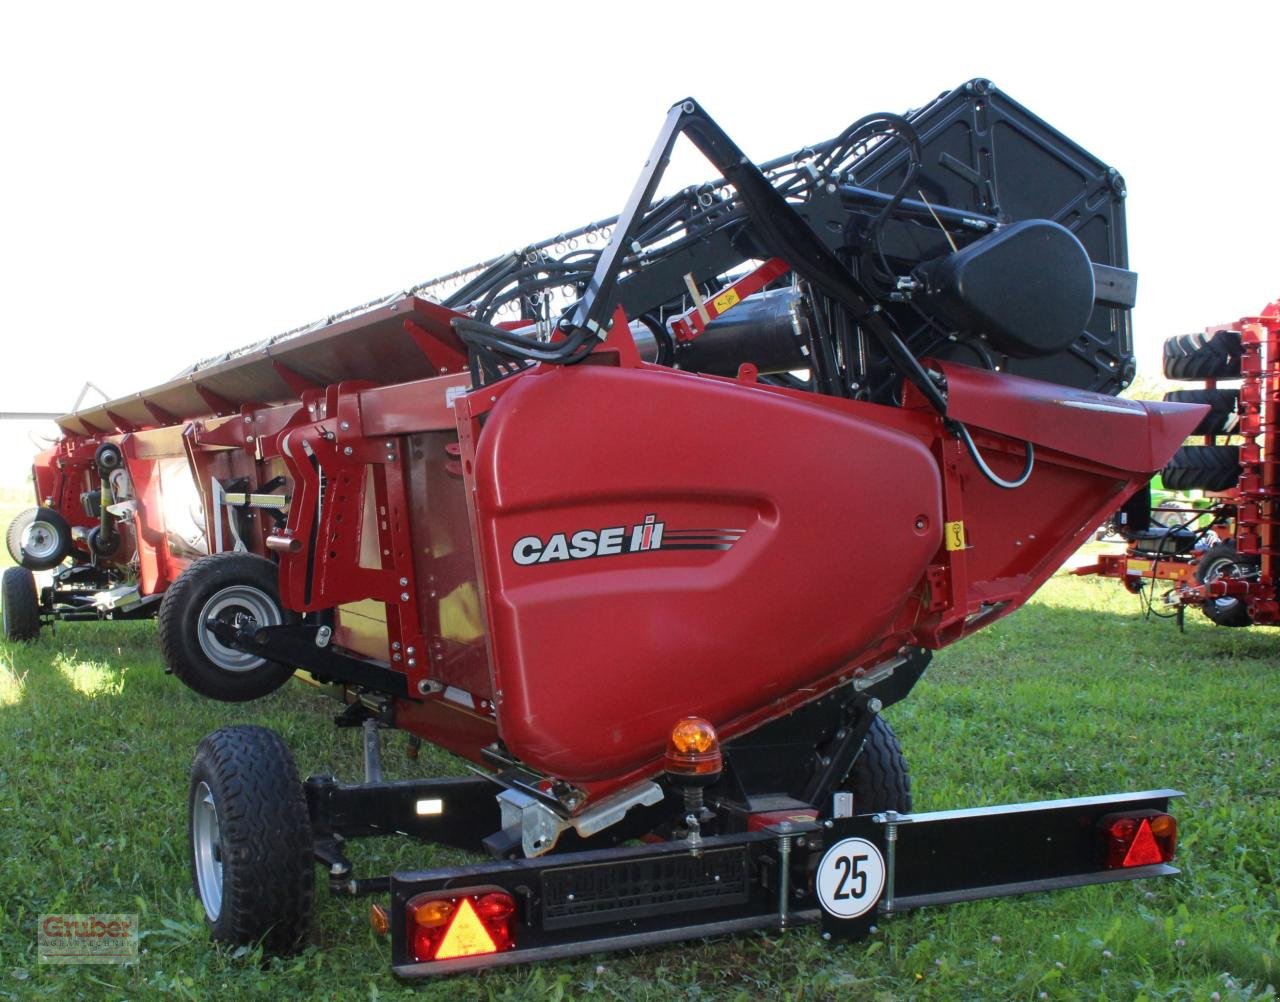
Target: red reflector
[
  {"x": 1139, "y": 839},
  {"x": 465, "y": 925},
  {"x": 1143, "y": 850},
  {"x": 466, "y": 935}
]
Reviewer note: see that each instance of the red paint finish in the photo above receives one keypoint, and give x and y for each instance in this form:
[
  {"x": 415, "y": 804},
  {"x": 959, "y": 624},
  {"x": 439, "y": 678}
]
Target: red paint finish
[
  {"x": 800, "y": 541},
  {"x": 597, "y": 657}
]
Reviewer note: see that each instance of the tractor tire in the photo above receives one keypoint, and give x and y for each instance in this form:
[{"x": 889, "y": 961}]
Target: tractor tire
[
  {"x": 45, "y": 542},
  {"x": 1203, "y": 468},
  {"x": 221, "y": 585},
  {"x": 20, "y": 609},
  {"x": 13, "y": 538},
  {"x": 879, "y": 779},
  {"x": 1222, "y": 561},
  {"x": 250, "y": 840},
  {"x": 1222, "y": 418},
  {"x": 1203, "y": 356}
]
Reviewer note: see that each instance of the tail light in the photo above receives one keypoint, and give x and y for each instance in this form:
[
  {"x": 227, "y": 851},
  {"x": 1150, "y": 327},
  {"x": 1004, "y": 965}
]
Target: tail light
[
  {"x": 443, "y": 927},
  {"x": 1140, "y": 838}
]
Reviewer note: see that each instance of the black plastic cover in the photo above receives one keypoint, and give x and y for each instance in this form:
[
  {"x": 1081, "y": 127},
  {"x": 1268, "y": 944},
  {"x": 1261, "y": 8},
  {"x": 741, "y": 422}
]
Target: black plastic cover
[{"x": 1028, "y": 289}]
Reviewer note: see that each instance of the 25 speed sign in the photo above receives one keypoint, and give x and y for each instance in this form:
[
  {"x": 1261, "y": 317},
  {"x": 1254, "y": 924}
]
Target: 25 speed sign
[{"x": 850, "y": 878}]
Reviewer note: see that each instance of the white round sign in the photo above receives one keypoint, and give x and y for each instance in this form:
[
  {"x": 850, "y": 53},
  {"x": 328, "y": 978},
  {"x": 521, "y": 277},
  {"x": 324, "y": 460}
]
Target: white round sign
[{"x": 850, "y": 878}]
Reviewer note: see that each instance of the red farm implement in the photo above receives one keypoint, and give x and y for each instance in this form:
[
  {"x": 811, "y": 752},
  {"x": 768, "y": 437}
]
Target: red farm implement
[
  {"x": 1223, "y": 556},
  {"x": 587, "y": 515}
]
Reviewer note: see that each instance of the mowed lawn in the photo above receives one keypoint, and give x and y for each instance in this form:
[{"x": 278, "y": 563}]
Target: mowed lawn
[{"x": 1076, "y": 694}]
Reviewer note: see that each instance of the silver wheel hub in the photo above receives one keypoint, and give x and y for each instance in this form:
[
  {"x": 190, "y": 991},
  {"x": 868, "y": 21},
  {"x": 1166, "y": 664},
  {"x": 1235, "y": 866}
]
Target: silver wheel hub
[
  {"x": 206, "y": 846},
  {"x": 232, "y": 603},
  {"x": 39, "y": 540},
  {"x": 1223, "y": 569}
]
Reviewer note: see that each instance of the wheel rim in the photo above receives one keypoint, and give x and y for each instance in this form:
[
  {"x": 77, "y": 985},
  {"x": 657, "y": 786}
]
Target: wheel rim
[
  {"x": 206, "y": 844},
  {"x": 40, "y": 541},
  {"x": 1224, "y": 568},
  {"x": 226, "y": 605}
]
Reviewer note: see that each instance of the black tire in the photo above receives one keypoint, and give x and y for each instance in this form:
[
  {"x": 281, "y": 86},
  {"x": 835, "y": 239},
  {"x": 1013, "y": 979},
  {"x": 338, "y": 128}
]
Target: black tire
[
  {"x": 1203, "y": 356},
  {"x": 1222, "y": 418},
  {"x": 879, "y": 779},
  {"x": 45, "y": 542},
  {"x": 249, "y": 840},
  {"x": 1219, "y": 561},
  {"x": 107, "y": 458},
  {"x": 1203, "y": 468},
  {"x": 221, "y": 585},
  {"x": 19, "y": 604},
  {"x": 13, "y": 538}
]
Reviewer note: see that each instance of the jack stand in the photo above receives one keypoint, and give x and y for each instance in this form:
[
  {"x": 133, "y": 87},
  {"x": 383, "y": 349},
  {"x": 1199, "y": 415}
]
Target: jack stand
[{"x": 372, "y": 751}]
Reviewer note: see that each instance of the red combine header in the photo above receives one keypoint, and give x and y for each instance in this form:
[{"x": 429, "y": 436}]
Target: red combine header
[{"x": 593, "y": 516}]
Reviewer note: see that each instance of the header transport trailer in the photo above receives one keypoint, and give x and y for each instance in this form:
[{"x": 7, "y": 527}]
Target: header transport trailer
[{"x": 580, "y": 515}]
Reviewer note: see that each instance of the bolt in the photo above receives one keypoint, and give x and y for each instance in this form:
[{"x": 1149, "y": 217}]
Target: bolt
[
  {"x": 828, "y": 823},
  {"x": 413, "y": 663},
  {"x": 395, "y": 646},
  {"x": 404, "y": 582},
  {"x": 404, "y": 596},
  {"x": 920, "y": 523},
  {"x": 409, "y": 650},
  {"x": 249, "y": 438},
  {"x": 568, "y": 897},
  {"x": 343, "y": 426},
  {"x": 874, "y": 705},
  {"x": 390, "y": 456},
  {"x": 348, "y": 451},
  {"x": 248, "y": 419},
  {"x": 395, "y": 657},
  {"x": 826, "y": 936},
  {"x": 390, "y": 445}
]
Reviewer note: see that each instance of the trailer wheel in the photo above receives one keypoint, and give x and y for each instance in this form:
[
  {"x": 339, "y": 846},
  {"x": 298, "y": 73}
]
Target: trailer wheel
[
  {"x": 45, "y": 541},
  {"x": 21, "y": 604},
  {"x": 1222, "y": 561},
  {"x": 250, "y": 840},
  {"x": 221, "y": 586},
  {"x": 1203, "y": 356},
  {"x": 879, "y": 779},
  {"x": 13, "y": 538},
  {"x": 1222, "y": 418},
  {"x": 1203, "y": 468}
]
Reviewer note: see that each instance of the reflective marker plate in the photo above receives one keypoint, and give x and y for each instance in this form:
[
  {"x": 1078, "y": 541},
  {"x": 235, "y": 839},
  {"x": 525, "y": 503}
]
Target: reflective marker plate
[{"x": 850, "y": 878}]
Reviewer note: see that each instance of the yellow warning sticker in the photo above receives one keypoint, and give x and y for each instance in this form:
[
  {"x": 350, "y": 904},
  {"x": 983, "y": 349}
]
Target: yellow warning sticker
[
  {"x": 725, "y": 301},
  {"x": 954, "y": 535}
]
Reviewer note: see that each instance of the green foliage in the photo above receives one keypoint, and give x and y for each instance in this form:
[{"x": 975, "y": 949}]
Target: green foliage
[{"x": 1076, "y": 694}]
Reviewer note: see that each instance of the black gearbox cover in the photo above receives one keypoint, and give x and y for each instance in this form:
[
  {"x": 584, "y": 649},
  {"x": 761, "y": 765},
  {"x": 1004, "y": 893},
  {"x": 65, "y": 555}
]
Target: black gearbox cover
[{"x": 1028, "y": 288}]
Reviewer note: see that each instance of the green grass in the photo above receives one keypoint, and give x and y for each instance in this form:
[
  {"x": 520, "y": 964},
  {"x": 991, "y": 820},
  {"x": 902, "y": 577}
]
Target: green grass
[{"x": 1074, "y": 695}]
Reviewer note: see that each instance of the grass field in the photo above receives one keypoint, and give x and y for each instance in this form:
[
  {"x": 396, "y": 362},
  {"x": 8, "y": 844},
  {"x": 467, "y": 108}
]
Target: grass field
[{"x": 1076, "y": 694}]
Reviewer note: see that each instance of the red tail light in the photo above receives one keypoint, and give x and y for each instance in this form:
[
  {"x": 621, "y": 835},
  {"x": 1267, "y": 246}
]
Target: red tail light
[
  {"x": 1138, "y": 839},
  {"x": 460, "y": 925}
]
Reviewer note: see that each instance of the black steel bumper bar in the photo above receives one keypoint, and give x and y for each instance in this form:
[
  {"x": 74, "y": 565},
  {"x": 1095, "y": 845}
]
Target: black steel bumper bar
[{"x": 587, "y": 902}]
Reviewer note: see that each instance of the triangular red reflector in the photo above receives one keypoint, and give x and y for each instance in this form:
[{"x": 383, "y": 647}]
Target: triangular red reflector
[
  {"x": 467, "y": 935},
  {"x": 1144, "y": 849}
]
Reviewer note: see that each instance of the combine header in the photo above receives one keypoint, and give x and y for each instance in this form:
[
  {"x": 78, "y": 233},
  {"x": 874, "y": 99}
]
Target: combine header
[{"x": 583, "y": 515}]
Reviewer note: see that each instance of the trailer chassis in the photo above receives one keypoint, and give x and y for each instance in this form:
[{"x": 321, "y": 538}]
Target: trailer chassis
[{"x": 627, "y": 897}]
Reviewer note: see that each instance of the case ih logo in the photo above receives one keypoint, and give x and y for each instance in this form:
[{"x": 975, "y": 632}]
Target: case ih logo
[{"x": 617, "y": 540}]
